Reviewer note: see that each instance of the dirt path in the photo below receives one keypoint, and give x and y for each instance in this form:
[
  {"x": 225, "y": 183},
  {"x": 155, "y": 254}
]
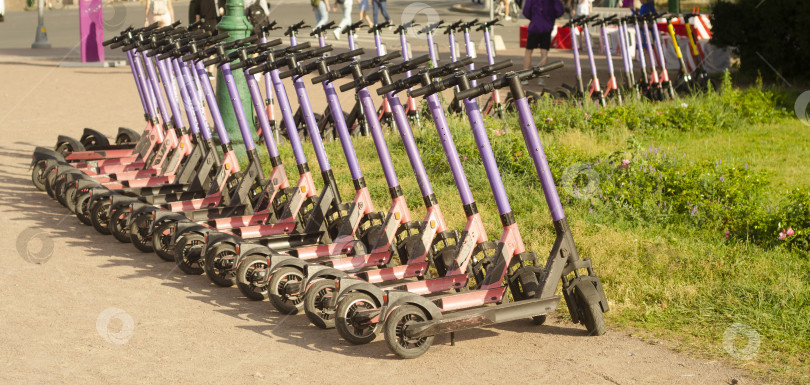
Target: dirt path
[{"x": 98, "y": 311}]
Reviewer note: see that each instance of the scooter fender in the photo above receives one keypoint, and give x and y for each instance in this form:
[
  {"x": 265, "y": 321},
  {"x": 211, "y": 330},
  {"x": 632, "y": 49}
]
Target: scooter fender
[
  {"x": 77, "y": 146},
  {"x": 164, "y": 215},
  {"x": 120, "y": 200},
  {"x": 188, "y": 227},
  {"x": 351, "y": 285},
  {"x": 139, "y": 208},
  {"x": 215, "y": 238},
  {"x": 397, "y": 298},
  {"x": 591, "y": 288},
  {"x": 291, "y": 262},
  {"x": 88, "y": 183},
  {"x": 101, "y": 138},
  {"x": 133, "y": 136},
  {"x": 247, "y": 250},
  {"x": 44, "y": 153},
  {"x": 314, "y": 272}
]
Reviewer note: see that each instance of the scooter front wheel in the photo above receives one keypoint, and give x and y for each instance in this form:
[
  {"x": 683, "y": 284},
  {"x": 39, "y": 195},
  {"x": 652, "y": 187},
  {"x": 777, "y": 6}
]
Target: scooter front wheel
[
  {"x": 591, "y": 315},
  {"x": 316, "y": 303},
  {"x": 348, "y": 326},
  {"x": 395, "y": 332},
  {"x": 284, "y": 290},
  {"x": 251, "y": 277}
]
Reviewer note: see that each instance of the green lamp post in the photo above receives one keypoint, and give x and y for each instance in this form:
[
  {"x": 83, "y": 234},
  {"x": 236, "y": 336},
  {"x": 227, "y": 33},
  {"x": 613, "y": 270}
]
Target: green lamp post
[{"x": 238, "y": 27}]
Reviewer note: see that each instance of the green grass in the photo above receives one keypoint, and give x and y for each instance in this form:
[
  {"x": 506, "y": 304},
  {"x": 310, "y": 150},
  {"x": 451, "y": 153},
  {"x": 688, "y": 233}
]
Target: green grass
[{"x": 678, "y": 281}]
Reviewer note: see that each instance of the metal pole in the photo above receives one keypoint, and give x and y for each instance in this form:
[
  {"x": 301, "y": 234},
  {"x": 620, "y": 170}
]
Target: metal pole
[
  {"x": 238, "y": 27},
  {"x": 41, "y": 40}
]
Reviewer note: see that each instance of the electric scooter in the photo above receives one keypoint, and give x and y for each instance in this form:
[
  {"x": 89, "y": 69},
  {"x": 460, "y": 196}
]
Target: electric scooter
[
  {"x": 612, "y": 86},
  {"x": 411, "y": 322}
]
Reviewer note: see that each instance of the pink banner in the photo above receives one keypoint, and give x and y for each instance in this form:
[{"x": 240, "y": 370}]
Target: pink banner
[{"x": 91, "y": 30}]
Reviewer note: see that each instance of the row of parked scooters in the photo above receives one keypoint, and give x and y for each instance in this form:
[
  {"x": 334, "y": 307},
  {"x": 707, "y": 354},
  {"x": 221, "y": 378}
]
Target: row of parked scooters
[
  {"x": 653, "y": 81},
  {"x": 175, "y": 191}
]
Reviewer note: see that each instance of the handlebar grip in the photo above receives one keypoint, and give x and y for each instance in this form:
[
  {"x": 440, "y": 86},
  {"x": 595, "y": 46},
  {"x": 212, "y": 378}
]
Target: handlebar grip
[
  {"x": 216, "y": 38},
  {"x": 481, "y": 89},
  {"x": 118, "y": 44},
  {"x": 496, "y": 66},
  {"x": 149, "y": 27},
  {"x": 379, "y": 60},
  {"x": 450, "y": 67},
  {"x": 428, "y": 89},
  {"x": 409, "y": 65}
]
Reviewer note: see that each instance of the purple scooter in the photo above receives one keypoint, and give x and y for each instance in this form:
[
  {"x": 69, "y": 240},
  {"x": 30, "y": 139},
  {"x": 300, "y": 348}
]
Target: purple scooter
[{"x": 411, "y": 322}]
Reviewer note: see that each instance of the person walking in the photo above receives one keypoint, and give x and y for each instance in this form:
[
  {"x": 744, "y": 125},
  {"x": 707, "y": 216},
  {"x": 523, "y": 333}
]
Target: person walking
[
  {"x": 321, "y": 9},
  {"x": 382, "y": 6},
  {"x": 346, "y": 6},
  {"x": 159, "y": 11},
  {"x": 541, "y": 15},
  {"x": 257, "y": 12},
  {"x": 648, "y": 6},
  {"x": 583, "y": 7},
  {"x": 364, "y": 11},
  {"x": 209, "y": 12}
]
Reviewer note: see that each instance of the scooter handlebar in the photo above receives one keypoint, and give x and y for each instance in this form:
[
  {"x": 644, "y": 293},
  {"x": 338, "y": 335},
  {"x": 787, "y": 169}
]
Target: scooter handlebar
[
  {"x": 334, "y": 74},
  {"x": 439, "y": 86},
  {"x": 295, "y": 27},
  {"x": 322, "y": 29},
  {"x": 430, "y": 27},
  {"x": 488, "y": 24},
  {"x": 273, "y": 57},
  {"x": 486, "y": 88},
  {"x": 452, "y": 27},
  {"x": 574, "y": 21},
  {"x": 379, "y": 27},
  {"x": 365, "y": 64},
  {"x": 251, "y": 50},
  {"x": 396, "y": 69},
  {"x": 352, "y": 27}
]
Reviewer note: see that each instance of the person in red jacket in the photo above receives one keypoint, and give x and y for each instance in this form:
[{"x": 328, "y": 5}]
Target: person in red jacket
[{"x": 541, "y": 14}]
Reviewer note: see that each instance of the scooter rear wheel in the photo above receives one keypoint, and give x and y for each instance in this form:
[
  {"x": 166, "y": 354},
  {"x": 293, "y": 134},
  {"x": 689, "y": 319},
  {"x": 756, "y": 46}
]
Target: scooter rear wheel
[
  {"x": 251, "y": 277},
  {"x": 284, "y": 302},
  {"x": 38, "y": 175},
  {"x": 347, "y": 326},
  {"x": 395, "y": 327},
  {"x": 314, "y": 304},
  {"x": 82, "y": 209},
  {"x": 187, "y": 254},
  {"x": 119, "y": 222},
  {"x": 162, "y": 237},
  {"x": 219, "y": 263},
  {"x": 139, "y": 232},
  {"x": 99, "y": 216}
]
